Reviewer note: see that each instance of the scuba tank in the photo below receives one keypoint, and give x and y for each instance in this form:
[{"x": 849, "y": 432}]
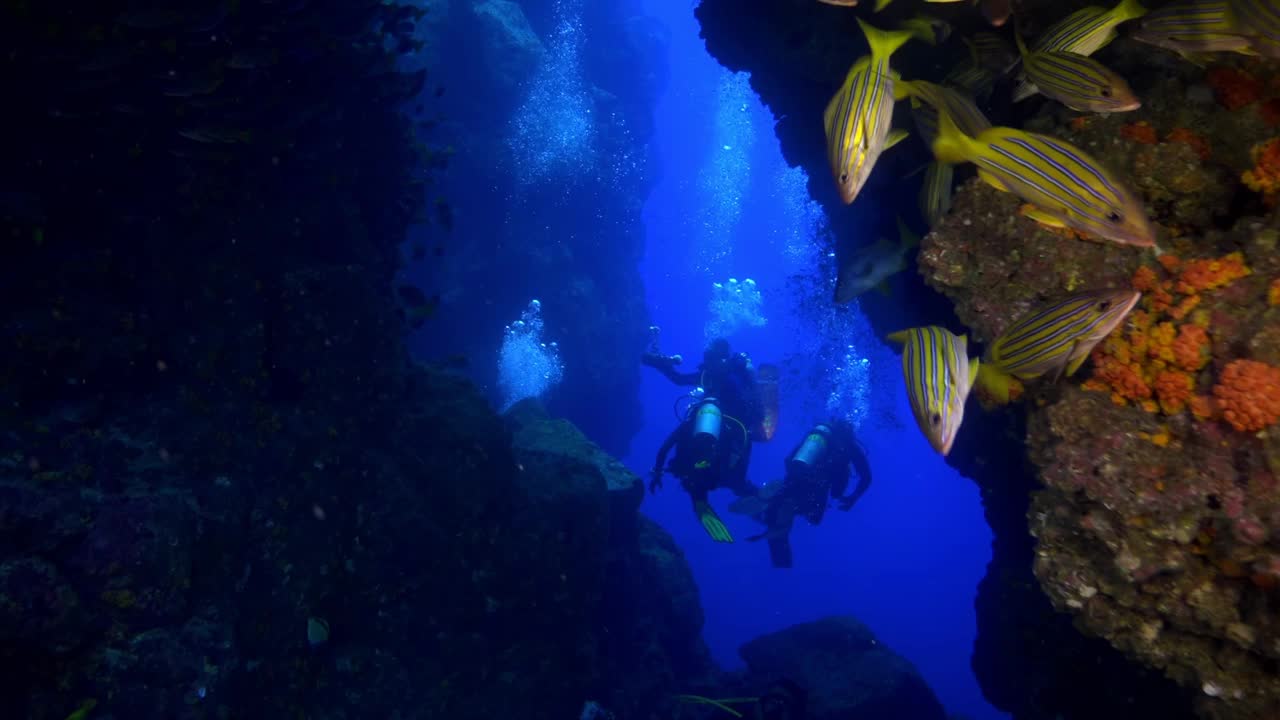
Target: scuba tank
[
  {"x": 811, "y": 451},
  {"x": 706, "y": 421}
]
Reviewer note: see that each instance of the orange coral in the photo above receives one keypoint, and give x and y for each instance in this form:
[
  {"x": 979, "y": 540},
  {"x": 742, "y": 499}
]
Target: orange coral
[
  {"x": 1201, "y": 406},
  {"x": 1234, "y": 88},
  {"x": 1210, "y": 273},
  {"x": 1273, "y": 292},
  {"x": 1191, "y": 348},
  {"x": 1173, "y": 389},
  {"x": 1198, "y": 143},
  {"x": 1140, "y": 132},
  {"x": 1249, "y": 394},
  {"x": 1154, "y": 362},
  {"x": 1265, "y": 175}
]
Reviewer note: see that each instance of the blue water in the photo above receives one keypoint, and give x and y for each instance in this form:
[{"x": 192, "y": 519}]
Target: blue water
[{"x": 907, "y": 559}]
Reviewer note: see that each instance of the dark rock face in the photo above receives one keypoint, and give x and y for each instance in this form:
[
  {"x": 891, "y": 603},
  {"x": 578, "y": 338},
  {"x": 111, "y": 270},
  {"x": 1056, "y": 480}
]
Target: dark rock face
[
  {"x": 570, "y": 237},
  {"x": 1029, "y": 658},
  {"x": 225, "y": 490},
  {"x": 844, "y": 670}
]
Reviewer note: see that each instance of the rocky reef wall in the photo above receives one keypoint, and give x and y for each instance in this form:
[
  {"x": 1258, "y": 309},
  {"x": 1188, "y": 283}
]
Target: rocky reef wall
[
  {"x": 1029, "y": 657},
  {"x": 549, "y": 105},
  {"x": 225, "y": 489}
]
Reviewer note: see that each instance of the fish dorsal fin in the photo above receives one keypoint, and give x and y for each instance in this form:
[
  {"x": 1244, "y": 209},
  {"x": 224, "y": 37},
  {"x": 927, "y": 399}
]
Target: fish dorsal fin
[{"x": 900, "y": 337}]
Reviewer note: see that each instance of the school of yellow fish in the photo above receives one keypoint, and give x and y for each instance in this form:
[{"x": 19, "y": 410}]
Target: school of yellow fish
[{"x": 1062, "y": 186}]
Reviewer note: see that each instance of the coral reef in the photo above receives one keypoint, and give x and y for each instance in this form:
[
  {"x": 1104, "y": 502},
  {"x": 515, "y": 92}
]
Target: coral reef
[{"x": 1157, "y": 527}]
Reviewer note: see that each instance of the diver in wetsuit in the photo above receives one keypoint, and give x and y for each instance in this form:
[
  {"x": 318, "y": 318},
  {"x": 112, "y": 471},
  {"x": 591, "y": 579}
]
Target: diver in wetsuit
[
  {"x": 817, "y": 469},
  {"x": 712, "y": 441}
]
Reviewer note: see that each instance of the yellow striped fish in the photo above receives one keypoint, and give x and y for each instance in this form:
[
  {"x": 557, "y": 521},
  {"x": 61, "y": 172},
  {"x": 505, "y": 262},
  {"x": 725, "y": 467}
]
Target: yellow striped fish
[
  {"x": 935, "y": 192},
  {"x": 1067, "y": 187},
  {"x": 1192, "y": 27},
  {"x": 1083, "y": 32},
  {"x": 1086, "y": 31},
  {"x": 1053, "y": 340},
  {"x": 970, "y": 77},
  {"x": 939, "y": 375},
  {"x": 1260, "y": 19},
  {"x": 1076, "y": 81},
  {"x": 939, "y": 98},
  {"x": 857, "y": 120}
]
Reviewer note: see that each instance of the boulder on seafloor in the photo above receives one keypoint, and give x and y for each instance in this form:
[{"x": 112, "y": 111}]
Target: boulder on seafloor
[{"x": 845, "y": 671}]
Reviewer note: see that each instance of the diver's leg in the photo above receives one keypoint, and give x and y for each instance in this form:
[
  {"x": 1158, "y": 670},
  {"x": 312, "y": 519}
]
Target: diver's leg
[
  {"x": 780, "y": 518},
  {"x": 707, "y": 517}
]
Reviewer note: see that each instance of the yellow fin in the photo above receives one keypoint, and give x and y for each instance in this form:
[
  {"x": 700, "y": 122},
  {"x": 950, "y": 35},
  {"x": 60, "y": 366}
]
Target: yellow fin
[
  {"x": 992, "y": 180},
  {"x": 951, "y": 145},
  {"x": 1043, "y": 217},
  {"x": 994, "y": 383},
  {"x": 903, "y": 89},
  {"x": 1074, "y": 365},
  {"x": 895, "y": 136},
  {"x": 975, "y": 366},
  {"x": 899, "y": 337},
  {"x": 883, "y": 42},
  {"x": 1127, "y": 10}
]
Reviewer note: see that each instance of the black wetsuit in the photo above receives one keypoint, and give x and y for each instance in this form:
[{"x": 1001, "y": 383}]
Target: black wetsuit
[
  {"x": 732, "y": 383},
  {"x": 805, "y": 491}
]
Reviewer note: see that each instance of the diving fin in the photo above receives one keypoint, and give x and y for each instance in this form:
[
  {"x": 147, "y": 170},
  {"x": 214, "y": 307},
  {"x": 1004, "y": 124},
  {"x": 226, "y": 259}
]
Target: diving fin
[{"x": 712, "y": 523}]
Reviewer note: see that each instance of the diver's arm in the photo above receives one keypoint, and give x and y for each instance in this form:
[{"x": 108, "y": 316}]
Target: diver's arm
[
  {"x": 860, "y": 465},
  {"x": 660, "y": 463},
  {"x": 667, "y": 366}
]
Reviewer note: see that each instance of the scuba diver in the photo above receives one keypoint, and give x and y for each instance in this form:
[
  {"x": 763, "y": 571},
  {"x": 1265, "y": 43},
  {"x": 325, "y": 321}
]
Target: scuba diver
[
  {"x": 712, "y": 441},
  {"x": 817, "y": 469}
]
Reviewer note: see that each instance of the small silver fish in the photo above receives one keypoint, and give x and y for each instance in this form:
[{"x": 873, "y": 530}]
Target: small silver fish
[{"x": 870, "y": 267}]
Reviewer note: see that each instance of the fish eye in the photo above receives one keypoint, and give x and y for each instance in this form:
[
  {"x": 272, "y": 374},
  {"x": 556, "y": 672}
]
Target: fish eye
[
  {"x": 935, "y": 419},
  {"x": 1114, "y": 217},
  {"x": 1106, "y": 92},
  {"x": 844, "y": 177},
  {"x": 1104, "y": 305}
]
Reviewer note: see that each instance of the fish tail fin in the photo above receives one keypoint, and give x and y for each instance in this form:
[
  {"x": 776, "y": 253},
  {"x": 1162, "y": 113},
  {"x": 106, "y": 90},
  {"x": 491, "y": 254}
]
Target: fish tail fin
[
  {"x": 883, "y": 42},
  {"x": 880, "y": 5},
  {"x": 903, "y": 89},
  {"x": 951, "y": 145},
  {"x": 994, "y": 383},
  {"x": 907, "y": 238},
  {"x": 1128, "y": 10}
]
